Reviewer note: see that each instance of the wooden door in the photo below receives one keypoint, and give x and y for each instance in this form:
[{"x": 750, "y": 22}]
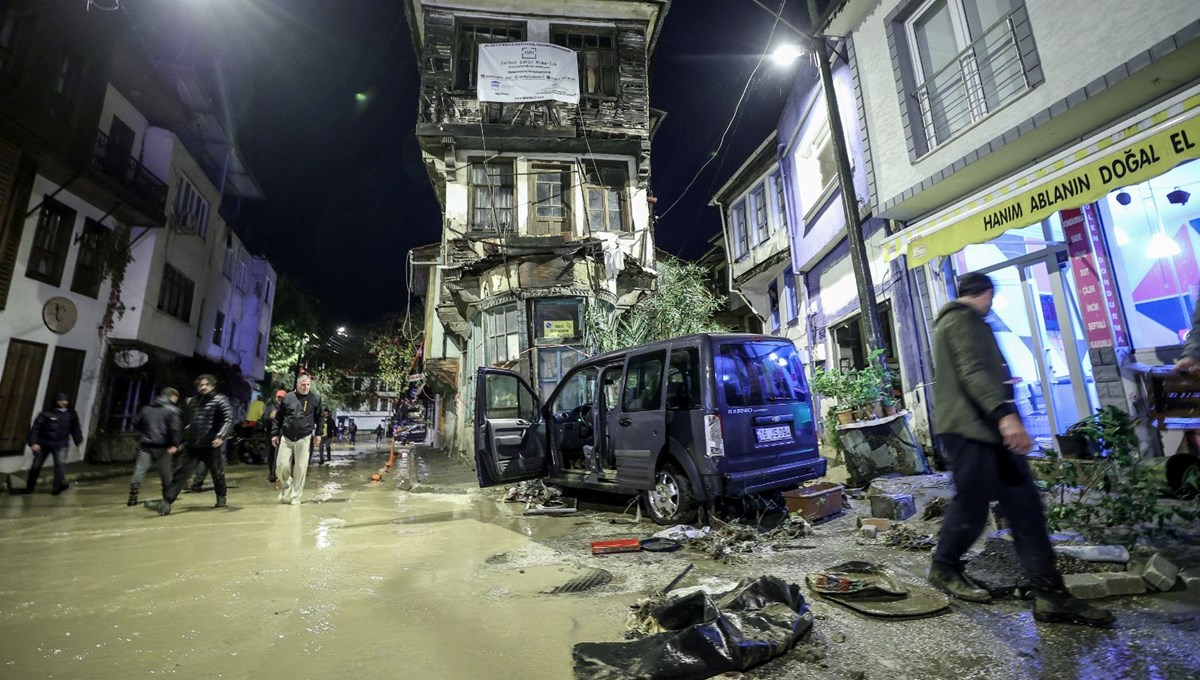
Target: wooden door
[
  {"x": 18, "y": 393},
  {"x": 66, "y": 370}
]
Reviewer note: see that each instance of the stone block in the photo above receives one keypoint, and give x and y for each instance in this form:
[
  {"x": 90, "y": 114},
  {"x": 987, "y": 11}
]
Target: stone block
[
  {"x": 1095, "y": 553},
  {"x": 1190, "y": 578},
  {"x": 893, "y": 506},
  {"x": 1086, "y": 586},
  {"x": 869, "y": 531},
  {"x": 1123, "y": 583},
  {"x": 879, "y": 523},
  {"x": 1160, "y": 573}
]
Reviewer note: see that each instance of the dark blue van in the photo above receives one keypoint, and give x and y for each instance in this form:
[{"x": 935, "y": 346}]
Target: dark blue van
[{"x": 681, "y": 422}]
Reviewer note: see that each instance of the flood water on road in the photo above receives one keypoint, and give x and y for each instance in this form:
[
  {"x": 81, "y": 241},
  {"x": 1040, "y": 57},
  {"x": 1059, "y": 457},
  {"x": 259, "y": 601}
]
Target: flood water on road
[{"x": 362, "y": 579}]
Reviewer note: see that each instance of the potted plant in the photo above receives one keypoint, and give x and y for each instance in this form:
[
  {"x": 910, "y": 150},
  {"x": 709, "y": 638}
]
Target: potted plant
[{"x": 839, "y": 385}]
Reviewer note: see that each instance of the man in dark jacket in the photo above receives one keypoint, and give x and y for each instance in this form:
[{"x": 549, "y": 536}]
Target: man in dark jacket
[
  {"x": 983, "y": 438},
  {"x": 51, "y": 435},
  {"x": 325, "y": 437},
  {"x": 161, "y": 431},
  {"x": 296, "y": 430},
  {"x": 209, "y": 421}
]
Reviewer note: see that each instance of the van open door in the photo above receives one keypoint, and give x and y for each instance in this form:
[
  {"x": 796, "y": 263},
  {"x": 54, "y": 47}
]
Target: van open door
[{"x": 510, "y": 435}]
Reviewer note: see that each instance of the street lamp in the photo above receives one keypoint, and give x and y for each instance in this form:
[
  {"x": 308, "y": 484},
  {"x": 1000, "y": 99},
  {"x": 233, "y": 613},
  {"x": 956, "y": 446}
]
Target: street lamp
[{"x": 786, "y": 54}]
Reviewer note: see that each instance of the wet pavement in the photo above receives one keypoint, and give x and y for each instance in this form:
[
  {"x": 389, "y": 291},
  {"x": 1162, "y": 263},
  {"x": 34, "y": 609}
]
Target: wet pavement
[{"x": 422, "y": 575}]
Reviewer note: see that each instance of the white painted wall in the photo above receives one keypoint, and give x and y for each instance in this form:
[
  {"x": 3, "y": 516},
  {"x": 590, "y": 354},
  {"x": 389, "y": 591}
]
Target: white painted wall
[
  {"x": 1077, "y": 40},
  {"x": 22, "y": 320},
  {"x": 115, "y": 104}
]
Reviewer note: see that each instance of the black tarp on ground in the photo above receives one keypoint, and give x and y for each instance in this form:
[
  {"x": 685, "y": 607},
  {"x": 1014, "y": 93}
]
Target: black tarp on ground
[{"x": 760, "y": 619}]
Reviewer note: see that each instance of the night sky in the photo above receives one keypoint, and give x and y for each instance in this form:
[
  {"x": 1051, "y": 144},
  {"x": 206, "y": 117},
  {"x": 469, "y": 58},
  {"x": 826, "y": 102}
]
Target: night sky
[{"x": 347, "y": 195}]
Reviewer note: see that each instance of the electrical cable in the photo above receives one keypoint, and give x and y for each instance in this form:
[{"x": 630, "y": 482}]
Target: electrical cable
[{"x": 736, "y": 111}]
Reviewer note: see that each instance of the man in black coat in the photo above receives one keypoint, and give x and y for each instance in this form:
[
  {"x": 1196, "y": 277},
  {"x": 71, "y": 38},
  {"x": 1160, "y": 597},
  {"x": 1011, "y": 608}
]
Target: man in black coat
[
  {"x": 297, "y": 429},
  {"x": 161, "y": 431},
  {"x": 51, "y": 435},
  {"x": 209, "y": 423}
]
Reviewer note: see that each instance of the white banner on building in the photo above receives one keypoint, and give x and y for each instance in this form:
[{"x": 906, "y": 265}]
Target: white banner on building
[{"x": 527, "y": 72}]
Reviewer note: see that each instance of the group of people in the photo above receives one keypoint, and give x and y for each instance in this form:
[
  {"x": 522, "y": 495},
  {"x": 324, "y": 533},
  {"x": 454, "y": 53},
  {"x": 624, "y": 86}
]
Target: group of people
[{"x": 175, "y": 441}]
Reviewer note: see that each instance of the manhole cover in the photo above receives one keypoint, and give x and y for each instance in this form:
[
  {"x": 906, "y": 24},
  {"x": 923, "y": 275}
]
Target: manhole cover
[{"x": 592, "y": 579}]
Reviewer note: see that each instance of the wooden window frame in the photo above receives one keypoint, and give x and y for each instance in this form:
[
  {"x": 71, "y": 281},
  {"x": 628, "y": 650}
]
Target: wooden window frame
[
  {"x": 89, "y": 269},
  {"x": 51, "y": 247},
  {"x": 609, "y": 74},
  {"x": 551, "y": 226},
  {"x": 777, "y": 189},
  {"x": 758, "y": 209},
  {"x": 739, "y": 222},
  {"x": 590, "y": 186},
  {"x": 176, "y": 293},
  {"x": 467, "y": 32},
  {"x": 473, "y": 187}
]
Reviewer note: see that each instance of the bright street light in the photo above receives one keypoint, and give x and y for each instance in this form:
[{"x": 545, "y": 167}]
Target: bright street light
[{"x": 786, "y": 53}]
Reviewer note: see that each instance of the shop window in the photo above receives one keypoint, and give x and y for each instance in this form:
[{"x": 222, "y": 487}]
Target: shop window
[
  {"x": 597, "y": 60},
  {"x": 470, "y": 37},
  {"x": 88, "y": 264},
  {"x": 758, "y": 199},
  {"x": 605, "y": 189},
  {"x": 492, "y": 195},
  {"x": 502, "y": 334},
  {"x": 1154, "y": 247},
  {"x": 557, "y": 321},
  {"x": 551, "y": 214},
  {"x": 56, "y": 223},
  {"x": 643, "y": 382},
  {"x": 967, "y": 58},
  {"x": 741, "y": 234}
]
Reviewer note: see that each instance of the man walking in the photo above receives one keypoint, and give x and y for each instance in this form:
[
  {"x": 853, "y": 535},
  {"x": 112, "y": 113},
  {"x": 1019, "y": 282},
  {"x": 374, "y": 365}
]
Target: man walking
[
  {"x": 209, "y": 421},
  {"x": 985, "y": 442},
  {"x": 325, "y": 437},
  {"x": 51, "y": 435},
  {"x": 379, "y": 434},
  {"x": 353, "y": 429},
  {"x": 269, "y": 423},
  {"x": 160, "y": 431},
  {"x": 297, "y": 423}
]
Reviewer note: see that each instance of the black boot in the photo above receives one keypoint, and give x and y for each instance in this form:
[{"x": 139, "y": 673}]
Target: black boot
[
  {"x": 954, "y": 583},
  {"x": 164, "y": 508},
  {"x": 1059, "y": 606},
  {"x": 221, "y": 502},
  {"x": 59, "y": 489},
  {"x": 133, "y": 494}
]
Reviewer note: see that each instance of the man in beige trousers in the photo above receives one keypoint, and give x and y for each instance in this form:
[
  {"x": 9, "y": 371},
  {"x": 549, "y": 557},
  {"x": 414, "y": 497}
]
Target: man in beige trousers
[{"x": 294, "y": 433}]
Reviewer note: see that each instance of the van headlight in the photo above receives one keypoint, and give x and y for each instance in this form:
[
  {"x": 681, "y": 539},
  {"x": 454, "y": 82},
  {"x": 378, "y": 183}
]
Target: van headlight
[{"x": 714, "y": 438}]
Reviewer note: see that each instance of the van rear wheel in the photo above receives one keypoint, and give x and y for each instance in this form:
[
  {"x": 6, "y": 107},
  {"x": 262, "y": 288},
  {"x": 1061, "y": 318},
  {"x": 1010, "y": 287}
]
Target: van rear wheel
[{"x": 670, "y": 501}]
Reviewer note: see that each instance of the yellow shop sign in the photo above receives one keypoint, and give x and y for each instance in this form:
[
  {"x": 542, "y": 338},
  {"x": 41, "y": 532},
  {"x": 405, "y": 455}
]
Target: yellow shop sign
[{"x": 558, "y": 329}]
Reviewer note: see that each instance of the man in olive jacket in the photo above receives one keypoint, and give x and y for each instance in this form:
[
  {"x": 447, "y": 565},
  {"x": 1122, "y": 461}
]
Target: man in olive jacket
[{"x": 983, "y": 438}]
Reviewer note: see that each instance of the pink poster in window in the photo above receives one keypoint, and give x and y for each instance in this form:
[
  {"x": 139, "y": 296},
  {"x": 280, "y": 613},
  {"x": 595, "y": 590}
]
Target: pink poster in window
[{"x": 1103, "y": 324}]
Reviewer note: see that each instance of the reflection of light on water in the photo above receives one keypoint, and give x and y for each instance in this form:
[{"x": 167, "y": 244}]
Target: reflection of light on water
[{"x": 323, "y": 535}]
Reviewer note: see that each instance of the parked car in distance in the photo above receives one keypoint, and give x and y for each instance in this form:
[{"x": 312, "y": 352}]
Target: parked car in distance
[{"x": 681, "y": 422}]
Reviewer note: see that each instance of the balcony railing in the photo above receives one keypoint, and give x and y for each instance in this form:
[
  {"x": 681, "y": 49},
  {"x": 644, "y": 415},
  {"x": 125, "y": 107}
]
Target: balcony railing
[
  {"x": 981, "y": 79},
  {"x": 129, "y": 171}
]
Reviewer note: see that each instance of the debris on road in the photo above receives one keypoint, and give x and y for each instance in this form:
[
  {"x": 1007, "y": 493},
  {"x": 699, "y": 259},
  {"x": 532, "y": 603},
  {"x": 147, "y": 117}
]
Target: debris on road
[
  {"x": 910, "y": 536},
  {"x": 729, "y": 540},
  {"x": 592, "y": 579},
  {"x": 540, "y": 498},
  {"x": 1160, "y": 573},
  {"x": 871, "y": 589},
  {"x": 620, "y": 545},
  {"x": 681, "y": 532},
  {"x": 703, "y": 635},
  {"x": 898, "y": 506}
]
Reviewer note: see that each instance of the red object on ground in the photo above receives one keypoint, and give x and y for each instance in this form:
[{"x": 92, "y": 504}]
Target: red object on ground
[{"x": 618, "y": 546}]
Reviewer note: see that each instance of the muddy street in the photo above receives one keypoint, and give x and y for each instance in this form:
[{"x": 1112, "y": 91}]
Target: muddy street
[{"x": 422, "y": 575}]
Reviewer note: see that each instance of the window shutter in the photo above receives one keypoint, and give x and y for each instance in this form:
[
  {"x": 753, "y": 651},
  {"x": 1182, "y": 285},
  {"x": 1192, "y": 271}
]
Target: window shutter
[{"x": 16, "y": 185}]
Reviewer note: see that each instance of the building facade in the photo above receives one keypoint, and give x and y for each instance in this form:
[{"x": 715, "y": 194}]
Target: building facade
[
  {"x": 545, "y": 205},
  {"x": 1052, "y": 145}
]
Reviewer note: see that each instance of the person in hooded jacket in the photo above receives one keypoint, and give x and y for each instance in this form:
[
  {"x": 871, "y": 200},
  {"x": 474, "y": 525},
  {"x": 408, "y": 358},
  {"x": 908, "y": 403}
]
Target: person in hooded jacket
[
  {"x": 51, "y": 435},
  {"x": 209, "y": 421},
  {"x": 984, "y": 439},
  {"x": 160, "y": 431}
]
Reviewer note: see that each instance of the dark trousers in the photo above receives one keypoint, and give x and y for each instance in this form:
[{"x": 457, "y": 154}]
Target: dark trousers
[
  {"x": 325, "y": 450},
  {"x": 272, "y": 453},
  {"x": 984, "y": 473},
  {"x": 147, "y": 458},
  {"x": 60, "y": 466},
  {"x": 186, "y": 465}
]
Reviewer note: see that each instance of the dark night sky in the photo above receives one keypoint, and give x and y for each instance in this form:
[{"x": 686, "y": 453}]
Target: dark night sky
[{"x": 347, "y": 195}]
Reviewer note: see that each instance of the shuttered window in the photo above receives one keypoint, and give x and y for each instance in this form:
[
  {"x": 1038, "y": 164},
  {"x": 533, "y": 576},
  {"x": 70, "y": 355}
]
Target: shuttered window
[
  {"x": 51, "y": 242},
  {"x": 88, "y": 265},
  {"x": 16, "y": 184}
]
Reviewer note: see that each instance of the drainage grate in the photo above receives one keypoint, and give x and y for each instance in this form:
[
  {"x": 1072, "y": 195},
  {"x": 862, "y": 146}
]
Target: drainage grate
[{"x": 593, "y": 579}]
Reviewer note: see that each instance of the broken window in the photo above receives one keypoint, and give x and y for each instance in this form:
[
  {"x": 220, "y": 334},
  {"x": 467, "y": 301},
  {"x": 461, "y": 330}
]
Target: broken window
[
  {"x": 604, "y": 189},
  {"x": 470, "y": 37},
  {"x": 502, "y": 334},
  {"x": 551, "y": 201},
  {"x": 597, "y": 60},
  {"x": 492, "y": 195}
]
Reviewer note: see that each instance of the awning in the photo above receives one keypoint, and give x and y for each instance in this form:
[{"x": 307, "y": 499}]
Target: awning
[{"x": 1145, "y": 150}]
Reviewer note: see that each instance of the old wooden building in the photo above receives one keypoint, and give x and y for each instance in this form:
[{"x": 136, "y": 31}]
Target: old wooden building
[{"x": 545, "y": 210}]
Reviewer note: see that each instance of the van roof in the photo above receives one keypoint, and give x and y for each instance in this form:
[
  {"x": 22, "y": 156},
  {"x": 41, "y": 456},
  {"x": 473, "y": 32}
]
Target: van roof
[{"x": 681, "y": 340}]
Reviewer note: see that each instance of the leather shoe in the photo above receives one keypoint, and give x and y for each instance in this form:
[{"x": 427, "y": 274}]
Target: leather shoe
[
  {"x": 221, "y": 502},
  {"x": 59, "y": 489},
  {"x": 164, "y": 508},
  {"x": 1057, "y": 606},
  {"x": 953, "y": 583}
]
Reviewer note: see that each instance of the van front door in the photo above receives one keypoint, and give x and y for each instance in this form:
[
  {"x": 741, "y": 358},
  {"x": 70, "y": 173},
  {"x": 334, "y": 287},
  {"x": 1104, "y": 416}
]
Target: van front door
[
  {"x": 510, "y": 435},
  {"x": 640, "y": 429}
]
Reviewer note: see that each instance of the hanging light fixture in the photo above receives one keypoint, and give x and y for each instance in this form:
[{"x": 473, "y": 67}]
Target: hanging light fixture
[
  {"x": 1124, "y": 198},
  {"x": 1178, "y": 197},
  {"x": 1162, "y": 246}
]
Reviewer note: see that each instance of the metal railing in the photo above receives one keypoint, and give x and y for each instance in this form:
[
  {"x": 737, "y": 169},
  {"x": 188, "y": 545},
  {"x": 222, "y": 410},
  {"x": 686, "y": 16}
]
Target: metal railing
[
  {"x": 981, "y": 79},
  {"x": 129, "y": 171}
]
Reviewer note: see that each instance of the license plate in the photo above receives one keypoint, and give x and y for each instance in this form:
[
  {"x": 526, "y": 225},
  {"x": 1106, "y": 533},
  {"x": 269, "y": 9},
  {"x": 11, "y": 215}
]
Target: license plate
[{"x": 773, "y": 434}]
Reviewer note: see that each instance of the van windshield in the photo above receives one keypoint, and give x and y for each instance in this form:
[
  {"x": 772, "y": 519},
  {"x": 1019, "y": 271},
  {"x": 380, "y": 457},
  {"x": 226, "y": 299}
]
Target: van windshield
[{"x": 758, "y": 373}]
